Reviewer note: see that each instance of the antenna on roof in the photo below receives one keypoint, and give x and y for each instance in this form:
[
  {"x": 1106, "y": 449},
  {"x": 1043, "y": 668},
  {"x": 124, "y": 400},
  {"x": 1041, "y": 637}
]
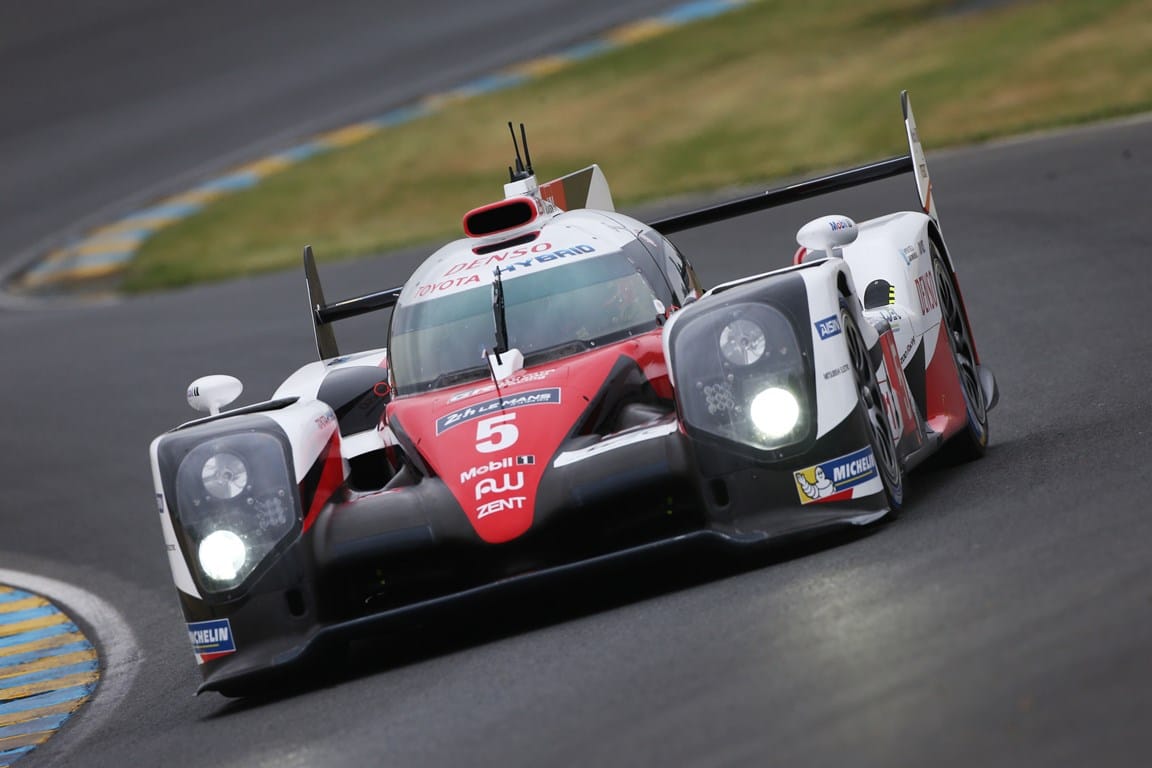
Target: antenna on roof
[
  {"x": 523, "y": 165},
  {"x": 527, "y": 154}
]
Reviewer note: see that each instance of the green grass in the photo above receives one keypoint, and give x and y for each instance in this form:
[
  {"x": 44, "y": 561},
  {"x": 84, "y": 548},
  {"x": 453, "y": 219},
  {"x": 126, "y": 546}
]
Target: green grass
[{"x": 775, "y": 89}]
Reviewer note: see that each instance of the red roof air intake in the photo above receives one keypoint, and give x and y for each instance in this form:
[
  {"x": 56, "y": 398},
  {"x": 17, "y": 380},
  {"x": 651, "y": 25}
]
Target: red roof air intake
[{"x": 500, "y": 216}]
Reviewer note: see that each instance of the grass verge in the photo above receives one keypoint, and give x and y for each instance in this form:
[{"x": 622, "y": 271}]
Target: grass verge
[{"x": 774, "y": 89}]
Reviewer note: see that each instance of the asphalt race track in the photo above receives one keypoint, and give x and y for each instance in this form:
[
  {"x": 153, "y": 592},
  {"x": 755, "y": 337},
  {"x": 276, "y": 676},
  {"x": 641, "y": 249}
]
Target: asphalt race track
[{"x": 1005, "y": 619}]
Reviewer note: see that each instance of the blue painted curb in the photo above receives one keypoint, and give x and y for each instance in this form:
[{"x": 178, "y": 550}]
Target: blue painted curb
[{"x": 47, "y": 670}]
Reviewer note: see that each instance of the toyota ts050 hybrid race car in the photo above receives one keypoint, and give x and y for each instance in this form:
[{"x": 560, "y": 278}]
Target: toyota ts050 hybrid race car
[{"x": 557, "y": 391}]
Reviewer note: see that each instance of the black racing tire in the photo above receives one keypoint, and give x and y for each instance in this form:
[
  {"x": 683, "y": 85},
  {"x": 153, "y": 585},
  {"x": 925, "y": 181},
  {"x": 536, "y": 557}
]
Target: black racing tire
[
  {"x": 880, "y": 436},
  {"x": 971, "y": 442}
]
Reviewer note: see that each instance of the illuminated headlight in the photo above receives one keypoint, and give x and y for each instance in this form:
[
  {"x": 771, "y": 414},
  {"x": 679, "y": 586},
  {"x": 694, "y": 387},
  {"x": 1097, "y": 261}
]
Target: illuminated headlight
[
  {"x": 742, "y": 342},
  {"x": 222, "y": 554},
  {"x": 224, "y": 475},
  {"x": 237, "y": 503},
  {"x": 775, "y": 412},
  {"x": 742, "y": 374}
]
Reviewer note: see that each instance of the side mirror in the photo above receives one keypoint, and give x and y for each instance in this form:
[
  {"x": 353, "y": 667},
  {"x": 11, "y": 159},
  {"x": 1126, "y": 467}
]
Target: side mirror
[
  {"x": 828, "y": 234},
  {"x": 211, "y": 393}
]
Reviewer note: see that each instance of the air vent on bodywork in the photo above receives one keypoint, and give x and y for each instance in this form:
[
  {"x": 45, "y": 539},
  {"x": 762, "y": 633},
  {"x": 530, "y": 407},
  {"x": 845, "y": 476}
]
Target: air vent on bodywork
[
  {"x": 500, "y": 216},
  {"x": 500, "y": 245}
]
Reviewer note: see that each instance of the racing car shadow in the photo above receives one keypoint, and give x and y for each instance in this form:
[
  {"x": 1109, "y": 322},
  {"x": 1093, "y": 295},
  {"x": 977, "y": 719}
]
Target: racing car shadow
[{"x": 523, "y": 608}]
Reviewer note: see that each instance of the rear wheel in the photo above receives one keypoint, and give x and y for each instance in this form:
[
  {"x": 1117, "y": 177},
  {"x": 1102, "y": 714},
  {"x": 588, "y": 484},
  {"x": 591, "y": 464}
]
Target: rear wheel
[
  {"x": 971, "y": 442},
  {"x": 872, "y": 406}
]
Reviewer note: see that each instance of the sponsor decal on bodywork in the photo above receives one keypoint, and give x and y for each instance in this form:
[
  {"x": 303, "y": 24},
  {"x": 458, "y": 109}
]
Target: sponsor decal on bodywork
[
  {"x": 549, "y": 396},
  {"x": 505, "y": 484},
  {"x": 499, "y": 505},
  {"x": 907, "y": 352},
  {"x": 836, "y": 372},
  {"x": 893, "y": 317},
  {"x": 544, "y": 258},
  {"x": 511, "y": 381},
  {"x": 828, "y": 327},
  {"x": 495, "y": 465},
  {"x": 838, "y": 479},
  {"x": 523, "y": 257},
  {"x": 211, "y": 639},
  {"x": 926, "y": 291},
  {"x": 477, "y": 271}
]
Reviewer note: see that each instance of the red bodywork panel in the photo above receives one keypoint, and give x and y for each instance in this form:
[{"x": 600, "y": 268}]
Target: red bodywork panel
[
  {"x": 491, "y": 447},
  {"x": 947, "y": 411},
  {"x": 331, "y": 477}
]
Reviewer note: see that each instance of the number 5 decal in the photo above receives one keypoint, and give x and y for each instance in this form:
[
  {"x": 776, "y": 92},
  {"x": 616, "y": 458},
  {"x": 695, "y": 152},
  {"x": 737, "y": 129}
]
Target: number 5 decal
[{"x": 496, "y": 433}]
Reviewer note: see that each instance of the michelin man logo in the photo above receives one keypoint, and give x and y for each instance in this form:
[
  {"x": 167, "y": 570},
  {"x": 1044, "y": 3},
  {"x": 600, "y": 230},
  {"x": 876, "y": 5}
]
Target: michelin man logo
[
  {"x": 819, "y": 488},
  {"x": 838, "y": 478}
]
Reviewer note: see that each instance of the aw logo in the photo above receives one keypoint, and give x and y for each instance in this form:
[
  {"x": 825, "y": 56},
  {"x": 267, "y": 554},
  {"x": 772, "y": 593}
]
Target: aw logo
[{"x": 504, "y": 485}]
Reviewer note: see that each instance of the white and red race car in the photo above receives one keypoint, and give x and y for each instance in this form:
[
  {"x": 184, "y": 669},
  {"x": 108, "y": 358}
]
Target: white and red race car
[{"x": 557, "y": 391}]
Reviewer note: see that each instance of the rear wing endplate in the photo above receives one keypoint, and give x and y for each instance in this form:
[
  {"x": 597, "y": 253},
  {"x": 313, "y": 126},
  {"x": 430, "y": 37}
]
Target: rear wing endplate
[
  {"x": 586, "y": 188},
  {"x": 864, "y": 174},
  {"x": 324, "y": 314}
]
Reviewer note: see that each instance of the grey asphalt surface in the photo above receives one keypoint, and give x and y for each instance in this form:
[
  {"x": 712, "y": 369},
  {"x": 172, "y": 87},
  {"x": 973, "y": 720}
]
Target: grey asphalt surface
[
  {"x": 1005, "y": 619},
  {"x": 107, "y": 105}
]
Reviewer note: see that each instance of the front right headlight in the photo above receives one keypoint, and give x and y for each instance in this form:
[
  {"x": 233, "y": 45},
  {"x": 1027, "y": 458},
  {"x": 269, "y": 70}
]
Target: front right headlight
[
  {"x": 235, "y": 503},
  {"x": 222, "y": 554},
  {"x": 225, "y": 475}
]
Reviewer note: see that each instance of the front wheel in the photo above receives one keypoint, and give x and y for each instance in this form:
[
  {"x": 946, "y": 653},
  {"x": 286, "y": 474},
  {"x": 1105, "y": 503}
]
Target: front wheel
[
  {"x": 971, "y": 442},
  {"x": 872, "y": 406}
]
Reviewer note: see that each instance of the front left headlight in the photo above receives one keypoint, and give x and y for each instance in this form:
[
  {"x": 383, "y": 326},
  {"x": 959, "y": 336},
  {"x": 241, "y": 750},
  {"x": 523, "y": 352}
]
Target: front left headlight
[{"x": 235, "y": 503}]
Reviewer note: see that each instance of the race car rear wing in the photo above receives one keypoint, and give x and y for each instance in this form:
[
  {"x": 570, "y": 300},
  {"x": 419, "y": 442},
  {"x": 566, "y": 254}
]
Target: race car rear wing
[
  {"x": 783, "y": 195},
  {"x": 588, "y": 188},
  {"x": 324, "y": 314},
  {"x": 913, "y": 161}
]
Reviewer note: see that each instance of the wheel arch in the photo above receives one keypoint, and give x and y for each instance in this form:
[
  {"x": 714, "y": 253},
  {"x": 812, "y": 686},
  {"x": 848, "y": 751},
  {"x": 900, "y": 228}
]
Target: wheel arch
[{"x": 937, "y": 240}]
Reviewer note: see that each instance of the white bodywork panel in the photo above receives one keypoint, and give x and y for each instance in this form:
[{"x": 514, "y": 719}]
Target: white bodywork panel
[
  {"x": 181, "y": 576},
  {"x": 306, "y": 381},
  {"x": 309, "y": 425},
  {"x": 835, "y": 387},
  {"x": 896, "y": 248}
]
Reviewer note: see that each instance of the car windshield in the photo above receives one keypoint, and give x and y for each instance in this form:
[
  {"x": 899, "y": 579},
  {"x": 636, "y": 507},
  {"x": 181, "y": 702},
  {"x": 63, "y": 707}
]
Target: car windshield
[{"x": 550, "y": 313}]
